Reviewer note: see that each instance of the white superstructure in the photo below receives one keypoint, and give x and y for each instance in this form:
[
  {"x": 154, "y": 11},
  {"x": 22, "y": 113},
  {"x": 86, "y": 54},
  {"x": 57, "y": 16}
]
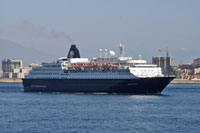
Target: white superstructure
[{"x": 99, "y": 68}]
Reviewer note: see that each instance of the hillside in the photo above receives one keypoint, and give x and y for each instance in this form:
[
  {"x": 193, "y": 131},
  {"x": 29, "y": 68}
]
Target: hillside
[{"x": 13, "y": 50}]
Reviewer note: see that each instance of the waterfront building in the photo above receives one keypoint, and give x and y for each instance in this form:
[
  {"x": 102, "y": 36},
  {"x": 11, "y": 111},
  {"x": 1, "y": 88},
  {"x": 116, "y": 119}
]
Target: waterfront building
[
  {"x": 14, "y": 69},
  {"x": 8, "y": 65},
  {"x": 33, "y": 65},
  {"x": 21, "y": 73},
  {"x": 196, "y": 71},
  {"x": 7, "y": 75},
  {"x": 1, "y": 73},
  {"x": 196, "y": 62},
  {"x": 166, "y": 63}
]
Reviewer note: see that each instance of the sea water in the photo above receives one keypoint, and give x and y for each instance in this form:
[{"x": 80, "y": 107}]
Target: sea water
[{"x": 177, "y": 109}]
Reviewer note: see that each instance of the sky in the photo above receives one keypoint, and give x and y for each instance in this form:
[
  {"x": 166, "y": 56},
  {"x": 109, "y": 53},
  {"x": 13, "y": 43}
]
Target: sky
[{"x": 143, "y": 26}]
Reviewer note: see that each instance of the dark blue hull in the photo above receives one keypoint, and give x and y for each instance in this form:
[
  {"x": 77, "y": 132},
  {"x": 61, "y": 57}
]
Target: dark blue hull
[{"x": 135, "y": 86}]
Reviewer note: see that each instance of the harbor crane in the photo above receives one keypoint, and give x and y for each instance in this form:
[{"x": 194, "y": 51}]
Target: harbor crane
[{"x": 171, "y": 50}]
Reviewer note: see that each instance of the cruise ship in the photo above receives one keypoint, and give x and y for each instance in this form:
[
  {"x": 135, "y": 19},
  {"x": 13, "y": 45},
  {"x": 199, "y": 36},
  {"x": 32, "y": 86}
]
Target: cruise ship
[{"x": 107, "y": 74}]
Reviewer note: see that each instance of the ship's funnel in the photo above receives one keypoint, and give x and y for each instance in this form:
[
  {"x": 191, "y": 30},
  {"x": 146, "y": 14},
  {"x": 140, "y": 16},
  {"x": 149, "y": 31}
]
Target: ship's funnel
[{"x": 73, "y": 52}]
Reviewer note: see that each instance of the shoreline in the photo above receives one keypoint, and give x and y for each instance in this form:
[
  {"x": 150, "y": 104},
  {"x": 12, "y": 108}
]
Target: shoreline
[
  {"x": 185, "y": 81},
  {"x": 10, "y": 80},
  {"x": 175, "y": 81}
]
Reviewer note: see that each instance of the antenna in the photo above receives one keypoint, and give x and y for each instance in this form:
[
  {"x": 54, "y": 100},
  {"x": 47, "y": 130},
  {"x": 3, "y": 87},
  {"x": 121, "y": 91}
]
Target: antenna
[
  {"x": 140, "y": 57},
  {"x": 106, "y": 53},
  {"x": 100, "y": 52},
  {"x": 122, "y": 49}
]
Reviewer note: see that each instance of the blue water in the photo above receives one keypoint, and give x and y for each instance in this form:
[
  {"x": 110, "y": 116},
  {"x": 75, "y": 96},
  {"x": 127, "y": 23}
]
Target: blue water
[{"x": 176, "y": 110}]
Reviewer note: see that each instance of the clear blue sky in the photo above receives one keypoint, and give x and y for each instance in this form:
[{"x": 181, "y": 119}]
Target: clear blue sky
[{"x": 144, "y": 26}]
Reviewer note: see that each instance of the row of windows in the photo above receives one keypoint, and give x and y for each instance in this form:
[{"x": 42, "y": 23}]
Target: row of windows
[
  {"x": 46, "y": 73},
  {"x": 47, "y": 78},
  {"x": 145, "y": 70},
  {"x": 47, "y": 69}
]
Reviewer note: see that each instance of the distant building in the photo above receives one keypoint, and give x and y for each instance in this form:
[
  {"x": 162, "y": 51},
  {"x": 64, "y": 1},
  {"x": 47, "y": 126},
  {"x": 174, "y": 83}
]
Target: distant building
[
  {"x": 21, "y": 73},
  {"x": 8, "y": 65},
  {"x": 189, "y": 70},
  {"x": 1, "y": 73},
  {"x": 7, "y": 75},
  {"x": 14, "y": 69},
  {"x": 166, "y": 63},
  {"x": 196, "y": 71},
  {"x": 196, "y": 62},
  {"x": 177, "y": 71},
  {"x": 33, "y": 65}
]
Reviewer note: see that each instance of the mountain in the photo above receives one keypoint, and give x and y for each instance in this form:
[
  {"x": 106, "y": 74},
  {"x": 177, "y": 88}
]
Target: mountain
[{"x": 13, "y": 50}]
